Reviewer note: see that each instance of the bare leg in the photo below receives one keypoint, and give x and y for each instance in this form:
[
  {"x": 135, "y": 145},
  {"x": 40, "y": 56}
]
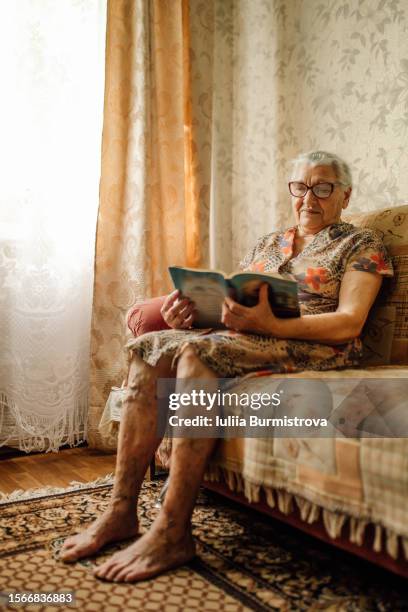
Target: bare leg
[
  {"x": 137, "y": 444},
  {"x": 169, "y": 542}
]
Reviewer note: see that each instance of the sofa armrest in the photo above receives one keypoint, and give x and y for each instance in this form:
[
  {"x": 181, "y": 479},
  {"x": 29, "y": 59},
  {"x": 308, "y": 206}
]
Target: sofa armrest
[{"x": 145, "y": 316}]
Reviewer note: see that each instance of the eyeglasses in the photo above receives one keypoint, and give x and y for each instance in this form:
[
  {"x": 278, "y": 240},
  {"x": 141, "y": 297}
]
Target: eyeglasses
[{"x": 321, "y": 190}]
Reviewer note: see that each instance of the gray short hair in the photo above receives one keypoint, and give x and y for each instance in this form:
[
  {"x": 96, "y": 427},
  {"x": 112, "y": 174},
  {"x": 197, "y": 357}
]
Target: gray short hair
[{"x": 323, "y": 158}]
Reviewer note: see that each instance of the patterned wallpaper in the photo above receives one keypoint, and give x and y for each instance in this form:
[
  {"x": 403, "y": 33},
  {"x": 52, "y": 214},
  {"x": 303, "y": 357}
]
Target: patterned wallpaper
[{"x": 309, "y": 74}]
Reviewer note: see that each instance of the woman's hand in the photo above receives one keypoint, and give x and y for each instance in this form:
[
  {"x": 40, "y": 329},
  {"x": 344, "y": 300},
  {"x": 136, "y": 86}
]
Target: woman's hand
[
  {"x": 259, "y": 319},
  {"x": 178, "y": 311}
]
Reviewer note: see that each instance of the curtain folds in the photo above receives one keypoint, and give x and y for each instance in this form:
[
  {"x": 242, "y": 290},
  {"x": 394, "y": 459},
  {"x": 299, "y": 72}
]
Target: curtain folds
[
  {"x": 154, "y": 191},
  {"x": 50, "y": 124}
]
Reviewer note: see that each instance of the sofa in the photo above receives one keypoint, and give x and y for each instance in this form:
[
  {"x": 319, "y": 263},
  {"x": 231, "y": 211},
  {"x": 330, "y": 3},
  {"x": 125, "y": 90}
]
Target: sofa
[{"x": 357, "y": 496}]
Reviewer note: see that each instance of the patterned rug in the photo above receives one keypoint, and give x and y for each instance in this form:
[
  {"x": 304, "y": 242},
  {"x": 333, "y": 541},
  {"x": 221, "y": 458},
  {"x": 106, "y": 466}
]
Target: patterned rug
[{"x": 245, "y": 561}]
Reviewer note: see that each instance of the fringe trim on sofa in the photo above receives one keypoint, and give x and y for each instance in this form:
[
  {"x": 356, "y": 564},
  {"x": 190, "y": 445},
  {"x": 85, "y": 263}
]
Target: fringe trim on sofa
[{"x": 310, "y": 512}]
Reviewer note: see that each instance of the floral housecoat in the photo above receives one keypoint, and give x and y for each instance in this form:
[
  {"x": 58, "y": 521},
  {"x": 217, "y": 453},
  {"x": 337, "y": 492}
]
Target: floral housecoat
[{"x": 319, "y": 270}]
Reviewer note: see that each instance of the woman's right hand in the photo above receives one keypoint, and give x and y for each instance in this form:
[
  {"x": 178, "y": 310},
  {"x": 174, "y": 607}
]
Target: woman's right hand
[{"x": 178, "y": 311}]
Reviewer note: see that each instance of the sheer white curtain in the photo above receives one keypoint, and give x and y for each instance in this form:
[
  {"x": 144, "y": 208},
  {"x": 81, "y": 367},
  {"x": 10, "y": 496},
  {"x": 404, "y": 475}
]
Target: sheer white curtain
[{"x": 52, "y": 73}]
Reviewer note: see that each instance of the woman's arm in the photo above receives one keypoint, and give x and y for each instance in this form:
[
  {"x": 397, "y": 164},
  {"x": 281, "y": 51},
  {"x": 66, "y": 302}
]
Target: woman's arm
[{"x": 357, "y": 293}]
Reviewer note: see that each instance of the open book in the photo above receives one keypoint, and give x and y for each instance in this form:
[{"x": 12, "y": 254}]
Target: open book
[{"x": 208, "y": 288}]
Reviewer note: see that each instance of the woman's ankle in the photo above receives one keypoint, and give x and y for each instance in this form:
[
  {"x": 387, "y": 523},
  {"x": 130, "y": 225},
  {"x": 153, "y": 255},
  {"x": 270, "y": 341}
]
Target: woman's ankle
[
  {"x": 123, "y": 503},
  {"x": 173, "y": 522}
]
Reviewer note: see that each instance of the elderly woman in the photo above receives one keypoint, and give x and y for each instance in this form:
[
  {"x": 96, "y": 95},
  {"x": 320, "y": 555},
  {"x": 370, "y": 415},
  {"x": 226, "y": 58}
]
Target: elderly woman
[{"x": 338, "y": 268}]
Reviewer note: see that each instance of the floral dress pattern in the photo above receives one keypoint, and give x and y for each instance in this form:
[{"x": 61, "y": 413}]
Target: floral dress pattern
[{"x": 318, "y": 269}]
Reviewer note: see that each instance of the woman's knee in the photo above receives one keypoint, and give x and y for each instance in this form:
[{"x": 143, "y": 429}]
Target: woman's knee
[
  {"x": 140, "y": 379},
  {"x": 141, "y": 374},
  {"x": 189, "y": 364}
]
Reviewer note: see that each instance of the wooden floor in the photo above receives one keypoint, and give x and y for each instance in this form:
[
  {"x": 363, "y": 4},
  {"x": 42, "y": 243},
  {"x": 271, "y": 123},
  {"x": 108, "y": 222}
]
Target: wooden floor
[{"x": 54, "y": 469}]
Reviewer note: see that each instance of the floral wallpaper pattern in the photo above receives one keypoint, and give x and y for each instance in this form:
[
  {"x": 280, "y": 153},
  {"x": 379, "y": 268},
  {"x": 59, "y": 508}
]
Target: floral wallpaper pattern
[{"x": 310, "y": 74}]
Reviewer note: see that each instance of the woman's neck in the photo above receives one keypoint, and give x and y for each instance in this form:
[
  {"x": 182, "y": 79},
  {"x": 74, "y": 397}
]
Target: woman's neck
[
  {"x": 309, "y": 233},
  {"x": 302, "y": 232}
]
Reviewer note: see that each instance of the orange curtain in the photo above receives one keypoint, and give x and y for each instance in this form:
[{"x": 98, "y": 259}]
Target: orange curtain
[
  {"x": 154, "y": 190},
  {"x": 192, "y": 211}
]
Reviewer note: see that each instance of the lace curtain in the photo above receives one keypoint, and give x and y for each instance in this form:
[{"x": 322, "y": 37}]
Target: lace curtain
[{"x": 52, "y": 67}]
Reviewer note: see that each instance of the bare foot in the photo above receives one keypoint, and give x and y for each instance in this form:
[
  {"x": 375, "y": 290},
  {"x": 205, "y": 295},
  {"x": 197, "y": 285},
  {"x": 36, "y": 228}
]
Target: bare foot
[
  {"x": 162, "y": 548},
  {"x": 118, "y": 522}
]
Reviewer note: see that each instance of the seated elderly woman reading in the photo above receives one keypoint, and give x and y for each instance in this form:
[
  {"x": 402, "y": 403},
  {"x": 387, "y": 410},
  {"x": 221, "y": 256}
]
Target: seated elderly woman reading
[{"x": 338, "y": 268}]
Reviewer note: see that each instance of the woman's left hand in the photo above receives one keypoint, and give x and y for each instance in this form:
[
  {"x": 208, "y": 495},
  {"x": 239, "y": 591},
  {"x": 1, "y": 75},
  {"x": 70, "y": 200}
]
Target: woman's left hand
[{"x": 258, "y": 319}]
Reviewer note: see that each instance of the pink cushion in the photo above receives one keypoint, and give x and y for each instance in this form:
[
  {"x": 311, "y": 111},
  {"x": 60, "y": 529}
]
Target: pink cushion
[{"x": 146, "y": 317}]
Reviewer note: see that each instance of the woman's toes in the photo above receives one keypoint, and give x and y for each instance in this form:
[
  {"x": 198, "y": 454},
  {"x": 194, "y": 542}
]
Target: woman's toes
[
  {"x": 101, "y": 570},
  {"x": 113, "y": 572},
  {"x": 66, "y": 551},
  {"x": 69, "y": 553},
  {"x": 76, "y": 550},
  {"x": 68, "y": 545},
  {"x": 104, "y": 570},
  {"x": 123, "y": 574}
]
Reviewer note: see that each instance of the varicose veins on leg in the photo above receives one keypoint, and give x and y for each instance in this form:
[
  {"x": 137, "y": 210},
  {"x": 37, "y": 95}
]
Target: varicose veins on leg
[
  {"x": 137, "y": 444},
  {"x": 169, "y": 541}
]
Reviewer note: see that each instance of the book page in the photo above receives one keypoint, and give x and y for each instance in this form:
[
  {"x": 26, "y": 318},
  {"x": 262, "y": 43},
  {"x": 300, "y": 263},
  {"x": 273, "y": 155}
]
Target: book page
[
  {"x": 208, "y": 297},
  {"x": 206, "y": 289}
]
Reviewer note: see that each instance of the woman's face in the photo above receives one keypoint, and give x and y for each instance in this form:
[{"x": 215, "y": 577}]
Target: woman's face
[{"x": 311, "y": 213}]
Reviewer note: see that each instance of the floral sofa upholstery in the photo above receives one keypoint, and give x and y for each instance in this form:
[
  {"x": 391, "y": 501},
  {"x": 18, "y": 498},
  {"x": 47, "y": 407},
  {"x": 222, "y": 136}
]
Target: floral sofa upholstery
[{"x": 351, "y": 491}]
